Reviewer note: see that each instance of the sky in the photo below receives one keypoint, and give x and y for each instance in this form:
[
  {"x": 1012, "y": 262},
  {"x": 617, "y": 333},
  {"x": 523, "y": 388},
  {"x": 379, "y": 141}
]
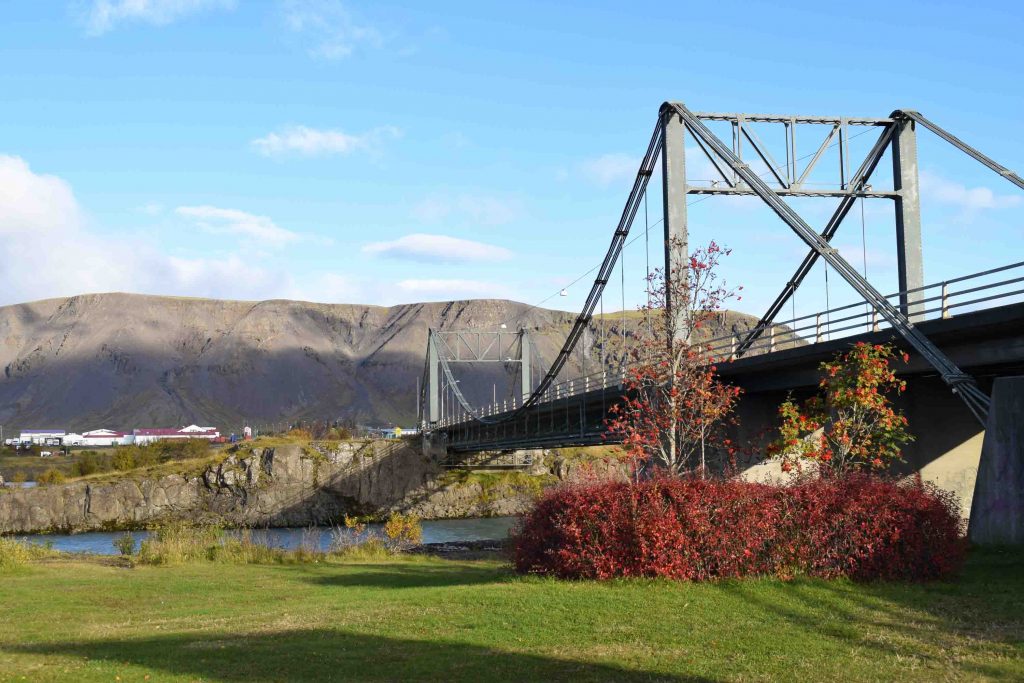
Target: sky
[{"x": 382, "y": 153}]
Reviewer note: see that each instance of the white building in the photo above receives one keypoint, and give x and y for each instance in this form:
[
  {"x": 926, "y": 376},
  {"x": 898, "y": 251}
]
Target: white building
[
  {"x": 103, "y": 437},
  {"x": 39, "y": 436},
  {"x": 144, "y": 436}
]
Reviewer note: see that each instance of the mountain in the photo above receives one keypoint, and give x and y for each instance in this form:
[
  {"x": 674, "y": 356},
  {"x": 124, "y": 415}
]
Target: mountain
[{"x": 126, "y": 360}]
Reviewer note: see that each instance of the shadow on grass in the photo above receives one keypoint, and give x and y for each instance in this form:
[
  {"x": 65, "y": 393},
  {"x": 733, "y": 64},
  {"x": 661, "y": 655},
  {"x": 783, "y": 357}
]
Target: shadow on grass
[
  {"x": 320, "y": 654},
  {"x": 985, "y": 604},
  {"x": 413, "y": 575}
]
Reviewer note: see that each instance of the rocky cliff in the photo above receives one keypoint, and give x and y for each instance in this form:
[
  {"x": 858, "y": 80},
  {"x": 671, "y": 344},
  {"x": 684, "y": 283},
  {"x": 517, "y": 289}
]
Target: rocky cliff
[
  {"x": 291, "y": 486},
  {"x": 124, "y": 360}
]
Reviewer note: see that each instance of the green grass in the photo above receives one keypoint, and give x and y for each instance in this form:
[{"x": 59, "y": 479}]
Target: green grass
[{"x": 431, "y": 619}]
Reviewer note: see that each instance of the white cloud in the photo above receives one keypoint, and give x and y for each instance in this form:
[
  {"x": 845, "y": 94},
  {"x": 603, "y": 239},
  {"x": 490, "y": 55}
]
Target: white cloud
[
  {"x": 315, "y": 142},
  {"x": 970, "y": 199},
  {"x": 31, "y": 203},
  {"x": 610, "y": 168},
  {"x": 104, "y": 15},
  {"x": 452, "y": 289},
  {"x": 331, "y": 30},
  {"x": 478, "y": 209},
  {"x": 421, "y": 247},
  {"x": 234, "y": 222},
  {"x": 40, "y": 219}
]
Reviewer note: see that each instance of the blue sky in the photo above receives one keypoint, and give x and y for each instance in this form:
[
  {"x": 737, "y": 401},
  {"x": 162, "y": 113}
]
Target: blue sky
[{"x": 382, "y": 153}]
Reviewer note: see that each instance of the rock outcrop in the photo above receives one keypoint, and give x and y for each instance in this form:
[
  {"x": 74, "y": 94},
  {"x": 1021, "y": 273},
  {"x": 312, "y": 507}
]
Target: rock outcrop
[{"x": 290, "y": 486}]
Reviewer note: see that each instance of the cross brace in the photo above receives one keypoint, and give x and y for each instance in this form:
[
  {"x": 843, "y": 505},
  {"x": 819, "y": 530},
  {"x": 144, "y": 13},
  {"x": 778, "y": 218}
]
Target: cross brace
[{"x": 962, "y": 384}]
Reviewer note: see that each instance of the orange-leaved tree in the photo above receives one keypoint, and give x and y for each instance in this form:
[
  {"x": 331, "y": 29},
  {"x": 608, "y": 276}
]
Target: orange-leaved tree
[
  {"x": 851, "y": 424},
  {"x": 675, "y": 404}
]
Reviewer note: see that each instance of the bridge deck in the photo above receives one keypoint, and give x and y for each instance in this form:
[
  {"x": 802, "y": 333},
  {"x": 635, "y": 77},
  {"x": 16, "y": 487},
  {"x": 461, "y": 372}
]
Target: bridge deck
[{"x": 987, "y": 343}]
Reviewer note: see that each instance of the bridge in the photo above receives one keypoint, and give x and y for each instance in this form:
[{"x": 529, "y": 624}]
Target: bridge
[{"x": 961, "y": 333}]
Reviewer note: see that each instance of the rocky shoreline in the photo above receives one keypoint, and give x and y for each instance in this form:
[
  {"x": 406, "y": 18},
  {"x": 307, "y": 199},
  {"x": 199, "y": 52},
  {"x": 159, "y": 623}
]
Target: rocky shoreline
[
  {"x": 465, "y": 550},
  {"x": 291, "y": 486}
]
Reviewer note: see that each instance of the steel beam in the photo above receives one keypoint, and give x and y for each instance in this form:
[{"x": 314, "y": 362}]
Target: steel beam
[
  {"x": 673, "y": 189},
  {"x": 961, "y": 145},
  {"x": 526, "y": 385},
  {"x": 794, "y": 192},
  {"x": 433, "y": 383},
  {"x": 909, "y": 258},
  {"x": 962, "y": 384},
  {"x": 780, "y": 118}
]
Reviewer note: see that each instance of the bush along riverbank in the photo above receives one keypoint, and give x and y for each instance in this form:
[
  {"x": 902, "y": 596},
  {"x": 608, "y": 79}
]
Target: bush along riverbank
[{"x": 290, "y": 485}]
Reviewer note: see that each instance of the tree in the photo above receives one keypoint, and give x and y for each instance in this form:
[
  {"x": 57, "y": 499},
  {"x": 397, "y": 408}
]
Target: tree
[
  {"x": 676, "y": 406},
  {"x": 851, "y": 424}
]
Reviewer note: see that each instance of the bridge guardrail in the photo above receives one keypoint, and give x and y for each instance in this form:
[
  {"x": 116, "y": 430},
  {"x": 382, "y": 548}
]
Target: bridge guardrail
[
  {"x": 940, "y": 300},
  {"x": 943, "y": 299}
]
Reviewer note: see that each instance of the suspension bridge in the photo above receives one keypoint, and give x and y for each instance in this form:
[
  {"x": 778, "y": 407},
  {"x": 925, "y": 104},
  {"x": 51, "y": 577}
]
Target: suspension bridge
[{"x": 962, "y": 333}]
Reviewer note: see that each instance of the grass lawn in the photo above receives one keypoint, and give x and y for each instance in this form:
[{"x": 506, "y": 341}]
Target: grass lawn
[{"x": 434, "y": 619}]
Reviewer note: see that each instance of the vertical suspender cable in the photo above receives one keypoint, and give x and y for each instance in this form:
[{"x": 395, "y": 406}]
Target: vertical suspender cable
[
  {"x": 828, "y": 306},
  {"x": 864, "y": 257}
]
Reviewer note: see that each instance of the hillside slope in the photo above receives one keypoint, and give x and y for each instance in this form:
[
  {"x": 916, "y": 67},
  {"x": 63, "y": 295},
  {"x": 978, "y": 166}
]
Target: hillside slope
[{"x": 127, "y": 360}]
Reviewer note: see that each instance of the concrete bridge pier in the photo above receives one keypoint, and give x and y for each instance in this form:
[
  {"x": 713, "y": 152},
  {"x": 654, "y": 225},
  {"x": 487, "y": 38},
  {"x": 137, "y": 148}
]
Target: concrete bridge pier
[
  {"x": 435, "y": 446},
  {"x": 997, "y": 511}
]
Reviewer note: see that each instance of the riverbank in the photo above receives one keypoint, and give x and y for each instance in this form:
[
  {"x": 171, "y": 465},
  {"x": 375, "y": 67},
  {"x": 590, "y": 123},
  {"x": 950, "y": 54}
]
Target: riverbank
[
  {"x": 435, "y": 533},
  {"x": 427, "y": 618},
  {"x": 268, "y": 484}
]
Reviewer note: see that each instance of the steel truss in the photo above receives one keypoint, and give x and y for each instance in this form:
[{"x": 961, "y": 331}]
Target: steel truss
[
  {"x": 962, "y": 384},
  {"x": 786, "y": 179},
  {"x": 445, "y": 347}
]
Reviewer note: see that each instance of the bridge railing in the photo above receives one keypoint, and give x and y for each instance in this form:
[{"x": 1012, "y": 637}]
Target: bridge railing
[{"x": 986, "y": 289}]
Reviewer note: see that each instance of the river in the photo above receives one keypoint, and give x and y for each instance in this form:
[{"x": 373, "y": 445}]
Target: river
[{"x": 434, "y": 531}]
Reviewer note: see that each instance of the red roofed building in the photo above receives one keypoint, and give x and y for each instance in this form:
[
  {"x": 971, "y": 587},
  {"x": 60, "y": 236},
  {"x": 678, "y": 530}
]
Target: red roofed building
[{"x": 144, "y": 436}]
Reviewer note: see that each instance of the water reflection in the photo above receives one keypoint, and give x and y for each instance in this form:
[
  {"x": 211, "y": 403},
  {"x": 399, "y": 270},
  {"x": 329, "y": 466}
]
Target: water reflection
[{"x": 434, "y": 531}]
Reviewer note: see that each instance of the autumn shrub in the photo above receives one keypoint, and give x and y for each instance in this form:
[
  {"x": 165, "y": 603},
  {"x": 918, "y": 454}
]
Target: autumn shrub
[
  {"x": 91, "y": 462},
  {"x": 402, "y": 531},
  {"x": 180, "y": 542},
  {"x": 125, "y": 544},
  {"x": 16, "y": 553},
  {"x": 51, "y": 475},
  {"x": 176, "y": 543},
  {"x": 860, "y": 526},
  {"x": 851, "y": 424},
  {"x": 123, "y": 460}
]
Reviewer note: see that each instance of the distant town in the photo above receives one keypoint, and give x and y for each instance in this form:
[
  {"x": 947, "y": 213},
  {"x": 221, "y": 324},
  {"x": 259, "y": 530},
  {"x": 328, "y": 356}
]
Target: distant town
[{"x": 108, "y": 437}]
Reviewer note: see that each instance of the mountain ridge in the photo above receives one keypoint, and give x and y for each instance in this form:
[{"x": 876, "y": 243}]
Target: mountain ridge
[{"x": 123, "y": 360}]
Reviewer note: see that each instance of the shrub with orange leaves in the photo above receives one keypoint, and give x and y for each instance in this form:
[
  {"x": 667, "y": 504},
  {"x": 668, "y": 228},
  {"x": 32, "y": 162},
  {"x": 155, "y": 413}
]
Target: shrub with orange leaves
[{"x": 851, "y": 424}]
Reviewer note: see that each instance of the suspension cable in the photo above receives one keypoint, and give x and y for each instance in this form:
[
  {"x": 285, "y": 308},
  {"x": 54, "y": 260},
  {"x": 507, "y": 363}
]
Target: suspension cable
[
  {"x": 622, "y": 325},
  {"x": 647, "y": 265}
]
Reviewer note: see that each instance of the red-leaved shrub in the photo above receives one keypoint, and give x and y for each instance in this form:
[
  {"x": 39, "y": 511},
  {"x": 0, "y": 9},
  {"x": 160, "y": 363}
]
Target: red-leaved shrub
[{"x": 861, "y": 526}]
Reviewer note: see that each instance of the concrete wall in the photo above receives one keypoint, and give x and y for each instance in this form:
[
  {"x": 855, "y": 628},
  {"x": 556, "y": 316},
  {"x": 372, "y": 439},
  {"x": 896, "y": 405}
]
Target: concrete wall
[
  {"x": 997, "y": 516},
  {"x": 947, "y": 438}
]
